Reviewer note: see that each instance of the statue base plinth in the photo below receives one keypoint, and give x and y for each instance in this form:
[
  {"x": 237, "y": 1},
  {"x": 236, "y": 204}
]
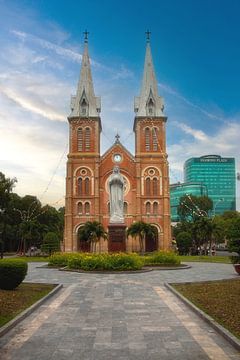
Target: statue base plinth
[{"x": 116, "y": 237}]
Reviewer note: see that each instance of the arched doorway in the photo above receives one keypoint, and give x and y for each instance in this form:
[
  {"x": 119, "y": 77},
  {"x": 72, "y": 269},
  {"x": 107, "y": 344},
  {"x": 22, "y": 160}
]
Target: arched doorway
[
  {"x": 82, "y": 245},
  {"x": 151, "y": 242}
]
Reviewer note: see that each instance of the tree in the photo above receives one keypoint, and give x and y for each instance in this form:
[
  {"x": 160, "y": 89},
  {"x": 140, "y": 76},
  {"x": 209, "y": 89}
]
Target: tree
[
  {"x": 51, "y": 243},
  {"x": 192, "y": 207},
  {"x": 184, "y": 242},
  {"x": 6, "y": 186},
  {"x": 141, "y": 230},
  {"x": 92, "y": 231}
]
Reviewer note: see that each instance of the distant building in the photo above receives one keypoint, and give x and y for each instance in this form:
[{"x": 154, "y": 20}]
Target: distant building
[
  {"x": 218, "y": 175},
  {"x": 180, "y": 189}
]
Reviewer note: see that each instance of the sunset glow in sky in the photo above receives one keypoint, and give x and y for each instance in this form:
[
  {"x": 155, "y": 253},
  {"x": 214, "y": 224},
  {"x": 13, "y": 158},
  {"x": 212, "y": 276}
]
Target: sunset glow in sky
[{"x": 196, "y": 54}]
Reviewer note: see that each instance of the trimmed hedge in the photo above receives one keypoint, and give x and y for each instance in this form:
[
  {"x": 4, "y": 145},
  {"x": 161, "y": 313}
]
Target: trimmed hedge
[
  {"x": 162, "y": 258},
  {"x": 90, "y": 262},
  {"x": 12, "y": 273}
]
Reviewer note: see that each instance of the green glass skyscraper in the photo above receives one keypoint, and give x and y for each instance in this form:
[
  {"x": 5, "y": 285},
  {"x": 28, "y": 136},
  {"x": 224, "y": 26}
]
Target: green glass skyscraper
[
  {"x": 219, "y": 176},
  {"x": 181, "y": 189}
]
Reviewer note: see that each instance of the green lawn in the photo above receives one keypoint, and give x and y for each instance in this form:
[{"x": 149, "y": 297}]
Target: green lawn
[
  {"x": 219, "y": 299},
  {"x": 202, "y": 258},
  {"x": 13, "y": 302}
]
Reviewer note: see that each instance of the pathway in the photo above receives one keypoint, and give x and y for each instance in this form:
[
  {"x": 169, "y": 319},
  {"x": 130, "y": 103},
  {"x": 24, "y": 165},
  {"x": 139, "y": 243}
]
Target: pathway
[{"x": 117, "y": 317}]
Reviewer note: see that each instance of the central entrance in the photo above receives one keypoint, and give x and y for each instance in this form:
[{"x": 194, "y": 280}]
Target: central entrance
[
  {"x": 83, "y": 245},
  {"x": 151, "y": 242}
]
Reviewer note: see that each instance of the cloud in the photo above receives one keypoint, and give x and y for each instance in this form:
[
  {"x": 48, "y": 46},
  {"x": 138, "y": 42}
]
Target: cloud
[
  {"x": 197, "y": 134},
  {"x": 30, "y": 104},
  {"x": 176, "y": 94},
  {"x": 68, "y": 53}
]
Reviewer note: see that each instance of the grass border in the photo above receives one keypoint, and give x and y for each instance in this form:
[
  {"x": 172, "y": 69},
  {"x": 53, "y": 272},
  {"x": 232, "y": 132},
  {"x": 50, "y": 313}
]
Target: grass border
[
  {"x": 207, "y": 318},
  {"x": 12, "y": 323}
]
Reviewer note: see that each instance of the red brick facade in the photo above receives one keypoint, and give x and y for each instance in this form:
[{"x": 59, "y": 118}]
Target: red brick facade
[{"x": 146, "y": 192}]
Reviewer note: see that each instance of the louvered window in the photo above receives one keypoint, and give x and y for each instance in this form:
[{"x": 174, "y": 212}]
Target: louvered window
[
  {"x": 154, "y": 137},
  {"x": 147, "y": 139},
  {"x": 87, "y": 139},
  {"x": 80, "y": 139}
]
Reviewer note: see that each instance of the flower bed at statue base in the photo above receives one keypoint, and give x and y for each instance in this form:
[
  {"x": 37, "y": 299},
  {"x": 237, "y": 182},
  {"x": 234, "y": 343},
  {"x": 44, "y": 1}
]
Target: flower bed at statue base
[
  {"x": 111, "y": 262},
  {"x": 162, "y": 258}
]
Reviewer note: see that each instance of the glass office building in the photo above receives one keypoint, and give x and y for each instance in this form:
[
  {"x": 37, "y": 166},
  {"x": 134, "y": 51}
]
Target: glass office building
[
  {"x": 180, "y": 189},
  {"x": 218, "y": 174}
]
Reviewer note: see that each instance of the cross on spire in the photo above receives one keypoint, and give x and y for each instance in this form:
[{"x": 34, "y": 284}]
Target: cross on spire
[
  {"x": 148, "y": 33},
  {"x": 117, "y": 137},
  {"x": 85, "y": 33}
]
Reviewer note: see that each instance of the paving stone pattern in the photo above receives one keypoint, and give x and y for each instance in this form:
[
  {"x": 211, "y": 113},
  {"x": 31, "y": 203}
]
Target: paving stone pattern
[{"x": 117, "y": 316}]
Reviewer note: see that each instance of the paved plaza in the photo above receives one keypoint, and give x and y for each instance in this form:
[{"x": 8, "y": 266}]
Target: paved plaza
[{"x": 117, "y": 317}]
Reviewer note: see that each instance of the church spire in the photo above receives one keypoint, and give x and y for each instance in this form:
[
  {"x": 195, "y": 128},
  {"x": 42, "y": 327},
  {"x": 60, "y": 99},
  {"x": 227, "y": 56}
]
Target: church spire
[
  {"x": 85, "y": 103},
  {"x": 149, "y": 103}
]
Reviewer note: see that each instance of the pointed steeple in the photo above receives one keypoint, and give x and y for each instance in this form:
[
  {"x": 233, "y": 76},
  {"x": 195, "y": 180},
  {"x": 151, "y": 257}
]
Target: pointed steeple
[
  {"x": 85, "y": 103},
  {"x": 149, "y": 103}
]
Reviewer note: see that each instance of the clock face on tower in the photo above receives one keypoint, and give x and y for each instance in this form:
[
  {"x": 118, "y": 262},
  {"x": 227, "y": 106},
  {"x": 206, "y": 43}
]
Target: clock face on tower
[{"x": 117, "y": 158}]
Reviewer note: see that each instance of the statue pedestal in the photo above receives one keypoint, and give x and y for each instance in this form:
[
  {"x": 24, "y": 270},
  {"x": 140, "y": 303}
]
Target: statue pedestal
[{"x": 116, "y": 237}]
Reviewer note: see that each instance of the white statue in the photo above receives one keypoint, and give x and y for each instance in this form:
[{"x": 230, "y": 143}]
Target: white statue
[{"x": 116, "y": 187}]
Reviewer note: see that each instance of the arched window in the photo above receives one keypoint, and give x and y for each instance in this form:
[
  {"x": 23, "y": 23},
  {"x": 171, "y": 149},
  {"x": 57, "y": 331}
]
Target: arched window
[
  {"x": 80, "y": 139},
  {"x": 154, "y": 137},
  {"x": 80, "y": 186},
  {"x": 155, "y": 186},
  {"x": 84, "y": 107},
  {"x": 87, "y": 139},
  {"x": 79, "y": 208},
  {"x": 108, "y": 205},
  {"x": 147, "y": 139},
  {"x": 150, "y": 107},
  {"x": 125, "y": 208},
  {"x": 87, "y": 208},
  {"x": 87, "y": 186},
  {"x": 148, "y": 186},
  {"x": 155, "y": 208},
  {"x": 148, "y": 207}
]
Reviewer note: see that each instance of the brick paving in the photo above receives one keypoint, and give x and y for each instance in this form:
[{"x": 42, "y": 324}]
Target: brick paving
[{"x": 117, "y": 316}]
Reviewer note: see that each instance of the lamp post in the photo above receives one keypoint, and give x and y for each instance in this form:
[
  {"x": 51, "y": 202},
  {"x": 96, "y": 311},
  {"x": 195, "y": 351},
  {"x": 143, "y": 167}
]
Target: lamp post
[{"x": 217, "y": 202}]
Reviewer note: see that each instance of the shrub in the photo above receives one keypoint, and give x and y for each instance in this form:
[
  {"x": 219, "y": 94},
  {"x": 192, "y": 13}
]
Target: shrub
[
  {"x": 89, "y": 262},
  {"x": 162, "y": 258},
  {"x": 59, "y": 259},
  {"x": 12, "y": 273}
]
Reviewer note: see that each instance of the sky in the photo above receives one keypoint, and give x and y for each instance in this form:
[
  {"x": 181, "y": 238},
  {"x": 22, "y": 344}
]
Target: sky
[{"x": 196, "y": 54}]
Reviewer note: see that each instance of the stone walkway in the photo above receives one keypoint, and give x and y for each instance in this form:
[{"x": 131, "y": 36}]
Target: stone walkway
[{"x": 117, "y": 317}]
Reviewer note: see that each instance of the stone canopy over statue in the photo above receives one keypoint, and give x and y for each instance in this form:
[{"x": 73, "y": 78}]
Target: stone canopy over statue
[{"x": 116, "y": 188}]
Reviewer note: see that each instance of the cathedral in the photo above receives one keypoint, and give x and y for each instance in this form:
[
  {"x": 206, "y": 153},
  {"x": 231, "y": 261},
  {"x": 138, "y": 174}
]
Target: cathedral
[{"x": 146, "y": 194}]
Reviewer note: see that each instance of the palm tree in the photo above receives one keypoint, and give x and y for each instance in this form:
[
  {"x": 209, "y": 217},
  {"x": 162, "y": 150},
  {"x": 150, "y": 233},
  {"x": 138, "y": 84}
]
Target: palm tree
[
  {"x": 141, "y": 230},
  {"x": 92, "y": 231}
]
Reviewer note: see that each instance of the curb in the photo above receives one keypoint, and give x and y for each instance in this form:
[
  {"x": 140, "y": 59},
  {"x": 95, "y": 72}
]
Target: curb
[
  {"x": 12, "y": 323},
  {"x": 164, "y": 268},
  {"x": 233, "y": 340},
  {"x": 102, "y": 272}
]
